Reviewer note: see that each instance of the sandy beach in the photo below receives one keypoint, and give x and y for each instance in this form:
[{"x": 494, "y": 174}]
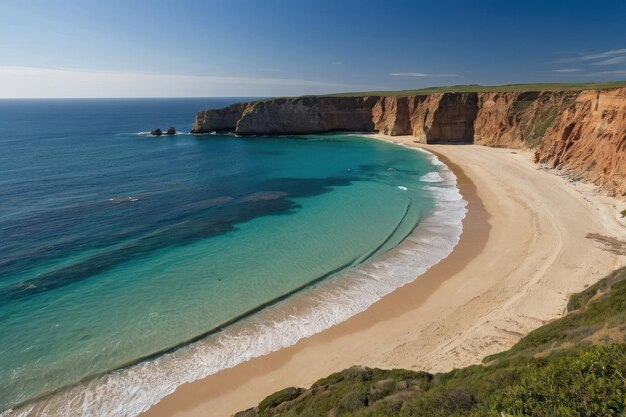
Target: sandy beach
[{"x": 530, "y": 239}]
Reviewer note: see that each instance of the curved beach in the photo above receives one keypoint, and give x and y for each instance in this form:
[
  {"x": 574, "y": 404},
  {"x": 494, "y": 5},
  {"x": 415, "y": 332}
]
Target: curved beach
[{"x": 525, "y": 246}]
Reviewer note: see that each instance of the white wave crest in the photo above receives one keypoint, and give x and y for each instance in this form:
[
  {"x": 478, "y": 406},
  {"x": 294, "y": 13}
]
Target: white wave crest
[{"x": 431, "y": 177}]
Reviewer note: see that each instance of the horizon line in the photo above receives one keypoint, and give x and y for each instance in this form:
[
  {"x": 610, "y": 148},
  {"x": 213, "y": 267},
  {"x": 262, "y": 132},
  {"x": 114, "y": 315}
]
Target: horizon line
[{"x": 572, "y": 83}]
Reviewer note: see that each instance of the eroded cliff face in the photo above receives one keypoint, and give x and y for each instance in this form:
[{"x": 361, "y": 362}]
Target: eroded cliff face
[
  {"x": 208, "y": 121},
  {"x": 580, "y": 132},
  {"x": 283, "y": 116},
  {"x": 436, "y": 118},
  {"x": 307, "y": 115},
  {"x": 517, "y": 120},
  {"x": 588, "y": 139}
]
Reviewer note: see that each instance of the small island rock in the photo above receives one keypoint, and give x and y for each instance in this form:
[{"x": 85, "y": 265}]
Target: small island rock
[
  {"x": 156, "y": 132},
  {"x": 171, "y": 131}
]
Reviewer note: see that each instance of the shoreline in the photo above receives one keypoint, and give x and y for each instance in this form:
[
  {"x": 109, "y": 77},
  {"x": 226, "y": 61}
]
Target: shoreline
[{"x": 470, "y": 304}]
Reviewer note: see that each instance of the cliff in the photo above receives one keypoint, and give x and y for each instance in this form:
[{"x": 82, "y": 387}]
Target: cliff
[
  {"x": 435, "y": 118},
  {"x": 582, "y": 133},
  {"x": 588, "y": 139},
  {"x": 218, "y": 119},
  {"x": 307, "y": 115}
]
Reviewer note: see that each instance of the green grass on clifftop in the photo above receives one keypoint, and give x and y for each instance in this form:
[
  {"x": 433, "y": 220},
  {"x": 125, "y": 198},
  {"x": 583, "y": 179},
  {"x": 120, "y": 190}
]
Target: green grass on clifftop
[
  {"x": 468, "y": 88},
  {"x": 574, "y": 366},
  {"x": 475, "y": 88}
]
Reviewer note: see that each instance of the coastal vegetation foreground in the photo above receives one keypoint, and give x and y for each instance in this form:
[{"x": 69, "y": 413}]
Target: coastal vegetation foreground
[{"x": 574, "y": 366}]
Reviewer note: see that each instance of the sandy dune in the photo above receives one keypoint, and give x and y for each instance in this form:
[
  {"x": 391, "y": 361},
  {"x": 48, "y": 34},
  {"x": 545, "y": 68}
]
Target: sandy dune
[{"x": 525, "y": 248}]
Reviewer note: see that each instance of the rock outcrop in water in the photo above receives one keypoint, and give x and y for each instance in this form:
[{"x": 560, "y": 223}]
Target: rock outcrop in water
[
  {"x": 156, "y": 132},
  {"x": 171, "y": 131},
  {"x": 582, "y": 133}
]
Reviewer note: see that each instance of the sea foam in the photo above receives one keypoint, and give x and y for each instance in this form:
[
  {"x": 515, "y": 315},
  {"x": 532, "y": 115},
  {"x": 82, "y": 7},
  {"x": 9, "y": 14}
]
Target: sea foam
[
  {"x": 128, "y": 392},
  {"x": 432, "y": 177}
]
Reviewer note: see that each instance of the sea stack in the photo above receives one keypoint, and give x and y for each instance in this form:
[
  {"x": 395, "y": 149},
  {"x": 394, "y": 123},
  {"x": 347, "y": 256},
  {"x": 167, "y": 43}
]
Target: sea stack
[
  {"x": 156, "y": 132},
  {"x": 171, "y": 131}
]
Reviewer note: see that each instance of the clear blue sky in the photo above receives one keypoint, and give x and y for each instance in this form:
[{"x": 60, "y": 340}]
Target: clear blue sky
[{"x": 65, "y": 48}]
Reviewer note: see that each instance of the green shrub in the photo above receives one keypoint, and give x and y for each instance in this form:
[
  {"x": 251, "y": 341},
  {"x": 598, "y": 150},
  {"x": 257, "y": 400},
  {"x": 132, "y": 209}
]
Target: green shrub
[
  {"x": 279, "y": 397},
  {"x": 587, "y": 383},
  {"x": 352, "y": 401}
]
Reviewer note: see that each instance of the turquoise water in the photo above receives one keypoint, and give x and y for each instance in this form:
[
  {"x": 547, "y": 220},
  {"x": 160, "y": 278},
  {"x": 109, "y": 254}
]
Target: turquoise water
[{"x": 117, "y": 247}]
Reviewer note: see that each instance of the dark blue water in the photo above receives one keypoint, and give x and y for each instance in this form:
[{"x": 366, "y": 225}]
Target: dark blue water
[{"x": 115, "y": 246}]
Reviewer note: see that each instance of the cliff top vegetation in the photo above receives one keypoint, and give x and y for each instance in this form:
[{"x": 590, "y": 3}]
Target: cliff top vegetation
[{"x": 476, "y": 88}]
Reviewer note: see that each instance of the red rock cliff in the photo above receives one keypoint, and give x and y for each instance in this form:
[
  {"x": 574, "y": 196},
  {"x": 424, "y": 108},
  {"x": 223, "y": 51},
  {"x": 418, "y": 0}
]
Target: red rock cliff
[
  {"x": 580, "y": 132},
  {"x": 588, "y": 139},
  {"x": 436, "y": 118}
]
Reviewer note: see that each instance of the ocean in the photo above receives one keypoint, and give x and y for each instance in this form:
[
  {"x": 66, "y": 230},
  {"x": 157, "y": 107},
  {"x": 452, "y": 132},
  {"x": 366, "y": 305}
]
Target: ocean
[{"x": 130, "y": 264}]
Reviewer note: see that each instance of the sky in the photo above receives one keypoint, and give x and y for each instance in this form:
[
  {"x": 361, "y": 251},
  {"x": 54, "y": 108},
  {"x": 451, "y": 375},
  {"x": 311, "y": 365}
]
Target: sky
[{"x": 263, "y": 48}]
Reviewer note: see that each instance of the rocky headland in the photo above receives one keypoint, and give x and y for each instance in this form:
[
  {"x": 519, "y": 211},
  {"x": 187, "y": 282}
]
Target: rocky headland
[{"x": 582, "y": 133}]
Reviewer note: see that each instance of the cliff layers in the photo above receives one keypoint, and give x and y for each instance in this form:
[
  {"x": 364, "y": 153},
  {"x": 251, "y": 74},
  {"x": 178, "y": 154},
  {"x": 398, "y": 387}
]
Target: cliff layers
[
  {"x": 219, "y": 119},
  {"x": 307, "y": 115},
  {"x": 588, "y": 139},
  {"x": 436, "y": 118},
  {"x": 582, "y": 133}
]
